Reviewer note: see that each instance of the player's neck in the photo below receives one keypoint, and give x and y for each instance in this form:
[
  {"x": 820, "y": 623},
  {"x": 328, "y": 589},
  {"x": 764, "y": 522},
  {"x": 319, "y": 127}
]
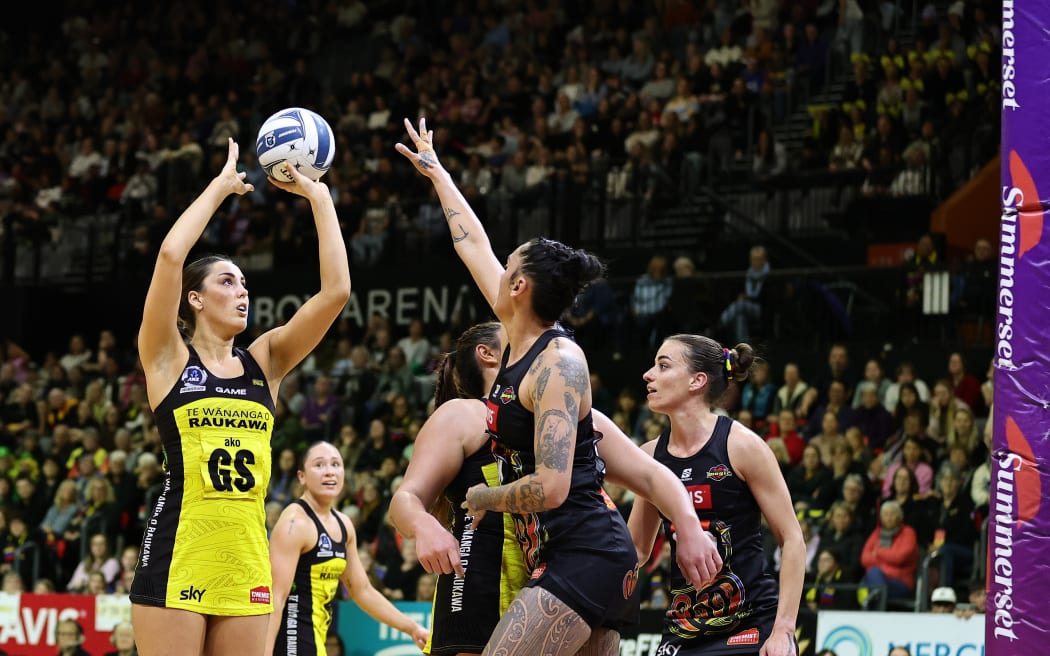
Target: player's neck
[
  {"x": 692, "y": 425},
  {"x": 212, "y": 347},
  {"x": 321, "y": 508},
  {"x": 522, "y": 332}
]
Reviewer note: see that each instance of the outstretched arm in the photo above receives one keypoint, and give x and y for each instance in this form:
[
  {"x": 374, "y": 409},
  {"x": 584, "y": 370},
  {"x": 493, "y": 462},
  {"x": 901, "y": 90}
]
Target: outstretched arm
[
  {"x": 371, "y": 600},
  {"x": 160, "y": 346},
  {"x": 634, "y": 468},
  {"x": 468, "y": 235},
  {"x": 279, "y": 350}
]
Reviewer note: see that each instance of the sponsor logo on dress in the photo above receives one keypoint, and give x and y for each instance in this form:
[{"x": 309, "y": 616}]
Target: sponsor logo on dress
[
  {"x": 232, "y": 391},
  {"x": 687, "y": 473},
  {"x": 507, "y": 395},
  {"x": 193, "y": 378},
  {"x": 260, "y": 595},
  {"x": 192, "y": 594},
  {"x": 667, "y": 649},
  {"x": 538, "y": 572},
  {"x": 324, "y": 546},
  {"x": 700, "y": 495},
  {"x": 718, "y": 472},
  {"x": 749, "y": 637},
  {"x": 258, "y": 382}
]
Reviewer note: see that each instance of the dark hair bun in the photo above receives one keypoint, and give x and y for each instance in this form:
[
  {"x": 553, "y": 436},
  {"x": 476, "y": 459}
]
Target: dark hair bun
[{"x": 743, "y": 357}]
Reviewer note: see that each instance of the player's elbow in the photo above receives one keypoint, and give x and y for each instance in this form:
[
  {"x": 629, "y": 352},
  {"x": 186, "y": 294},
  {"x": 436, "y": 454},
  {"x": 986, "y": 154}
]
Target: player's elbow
[{"x": 555, "y": 491}]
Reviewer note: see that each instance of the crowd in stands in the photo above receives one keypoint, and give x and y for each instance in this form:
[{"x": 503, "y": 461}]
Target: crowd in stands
[
  {"x": 885, "y": 464},
  {"x": 109, "y": 111},
  {"x": 128, "y": 110}
]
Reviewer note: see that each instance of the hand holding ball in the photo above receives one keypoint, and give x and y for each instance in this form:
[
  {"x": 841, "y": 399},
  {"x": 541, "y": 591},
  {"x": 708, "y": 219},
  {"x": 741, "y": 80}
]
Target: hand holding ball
[{"x": 299, "y": 137}]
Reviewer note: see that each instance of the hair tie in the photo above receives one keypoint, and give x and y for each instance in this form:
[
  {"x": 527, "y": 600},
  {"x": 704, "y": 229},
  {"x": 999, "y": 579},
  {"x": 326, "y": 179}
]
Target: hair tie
[{"x": 729, "y": 362}]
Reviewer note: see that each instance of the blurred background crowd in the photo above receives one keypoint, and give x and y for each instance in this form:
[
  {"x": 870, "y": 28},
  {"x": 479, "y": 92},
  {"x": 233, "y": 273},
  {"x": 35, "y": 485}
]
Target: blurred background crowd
[{"x": 591, "y": 121}]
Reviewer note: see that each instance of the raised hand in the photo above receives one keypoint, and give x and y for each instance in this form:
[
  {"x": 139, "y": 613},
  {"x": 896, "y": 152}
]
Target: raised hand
[
  {"x": 300, "y": 184},
  {"x": 424, "y": 158},
  {"x": 229, "y": 175}
]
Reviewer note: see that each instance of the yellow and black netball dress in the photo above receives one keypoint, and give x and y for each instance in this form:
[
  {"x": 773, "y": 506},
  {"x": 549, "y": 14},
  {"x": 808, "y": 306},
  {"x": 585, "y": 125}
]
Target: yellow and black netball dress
[
  {"x": 205, "y": 548},
  {"x": 308, "y": 611}
]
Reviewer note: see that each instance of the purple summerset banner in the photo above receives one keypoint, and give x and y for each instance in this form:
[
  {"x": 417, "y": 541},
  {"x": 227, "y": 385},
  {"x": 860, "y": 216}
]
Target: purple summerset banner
[{"x": 1018, "y": 619}]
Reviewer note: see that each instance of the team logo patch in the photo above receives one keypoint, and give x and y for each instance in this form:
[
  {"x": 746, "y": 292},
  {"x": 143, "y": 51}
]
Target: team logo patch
[
  {"x": 630, "y": 580},
  {"x": 718, "y": 472},
  {"x": 687, "y": 473},
  {"x": 538, "y": 572},
  {"x": 609, "y": 503},
  {"x": 749, "y": 637},
  {"x": 193, "y": 378},
  {"x": 258, "y": 382},
  {"x": 260, "y": 595},
  {"x": 507, "y": 395},
  {"x": 324, "y": 546}
]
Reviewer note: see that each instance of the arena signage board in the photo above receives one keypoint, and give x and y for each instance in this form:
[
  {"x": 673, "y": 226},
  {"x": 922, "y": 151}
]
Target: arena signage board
[{"x": 854, "y": 633}]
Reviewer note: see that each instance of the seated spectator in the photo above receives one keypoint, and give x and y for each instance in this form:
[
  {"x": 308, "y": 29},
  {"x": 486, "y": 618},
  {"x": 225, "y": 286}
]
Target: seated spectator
[
  {"x": 964, "y": 384},
  {"x": 954, "y": 529},
  {"x": 320, "y": 414},
  {"x": 60, "y": 515},
  {"x": 123, "y": 639},
  {"x": 905, "y": 373},
  {"x": 770, "y": 158},
  {"x": 785, "y": 430},
  {"x": 690, "y": 303},
  {"x": 597, "y": 318},
  {"x": 963, "y": 434},
  {"x": 942, "y": 600},
  {"x": 810, "y": 480},
  {"x": 649, "y": 298},
  {"x": 759, "y": 394},
  {"x": 943, "y": 405},
  {"x": 873, "y": 420},
  {"x": 284, "y": 475},
  {"x": 873, "y": 373},
  {"x": 891, "y": 555},
  {"x": 828, "y": 438},
  {"x": 842, "y": 533},
  {"x": 824, "y": 593},
  {"x": 743, "y": 315},
  {"x": 973, "y": 289},
  {"x": 847, "y": 152},
  {"x": 837, "y": 404},
  {"x": 98, "y": 559},
  {"x": 912, "y": 458},
  {"x": 791, "y": 394}
]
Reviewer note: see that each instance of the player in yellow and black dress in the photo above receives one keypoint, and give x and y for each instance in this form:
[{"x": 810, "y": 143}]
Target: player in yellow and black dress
[
  {"x": 312, "y": 548},
  {"x": 203, "y": 581},
  {"x": 482, "y": 568}
]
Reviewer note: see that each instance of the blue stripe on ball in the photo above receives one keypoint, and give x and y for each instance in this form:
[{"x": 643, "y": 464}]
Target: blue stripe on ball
[{"x": 324, "y": 142}]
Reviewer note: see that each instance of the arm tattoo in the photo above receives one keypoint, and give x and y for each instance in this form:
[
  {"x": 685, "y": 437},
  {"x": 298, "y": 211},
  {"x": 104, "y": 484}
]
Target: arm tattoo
[
  {"x": 541, "y": 383},
  {"x": 450, "y": 212},
  {"x": 459, "y": 238},
  {"x": 521, "y": 497},
  {"x": 571, "y": 407},
  {"x": 555, "y": 449},
  {"x": 427, "y": 160},
  {"x": 575, "y": 374}
]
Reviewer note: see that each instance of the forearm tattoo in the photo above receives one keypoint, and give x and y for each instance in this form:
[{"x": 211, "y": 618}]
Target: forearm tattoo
[
  {"x": 460, "y": 237},
  {"x": 521, "y": 497}
]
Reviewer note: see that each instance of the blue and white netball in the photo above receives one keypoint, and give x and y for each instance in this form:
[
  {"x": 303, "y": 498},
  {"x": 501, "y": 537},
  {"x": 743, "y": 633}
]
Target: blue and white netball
[{"x": 297, "y": 136}]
